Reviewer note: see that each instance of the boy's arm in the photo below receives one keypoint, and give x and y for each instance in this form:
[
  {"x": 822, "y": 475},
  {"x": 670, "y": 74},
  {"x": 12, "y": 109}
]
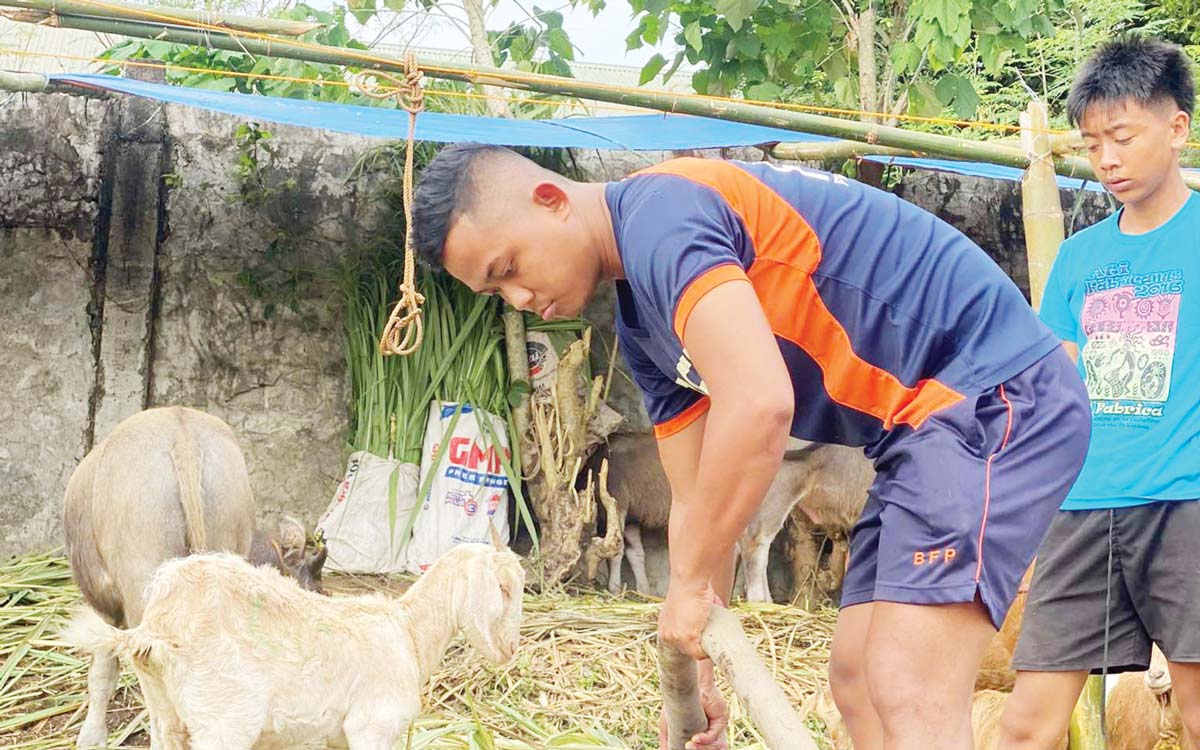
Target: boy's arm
[{"x": 1072, "y": 350}]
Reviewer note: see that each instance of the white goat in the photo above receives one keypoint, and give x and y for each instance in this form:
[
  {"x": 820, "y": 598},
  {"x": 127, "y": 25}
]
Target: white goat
[{"x": 231, "y": 656}]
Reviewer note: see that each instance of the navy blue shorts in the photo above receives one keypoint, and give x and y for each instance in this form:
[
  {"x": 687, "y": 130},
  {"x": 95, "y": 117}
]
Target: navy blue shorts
[{"x": 960, "y": 505}]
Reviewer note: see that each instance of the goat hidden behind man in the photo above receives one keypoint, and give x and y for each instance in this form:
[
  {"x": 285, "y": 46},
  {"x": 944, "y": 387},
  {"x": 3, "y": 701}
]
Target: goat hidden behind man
[{"x": 232, "y": 656}]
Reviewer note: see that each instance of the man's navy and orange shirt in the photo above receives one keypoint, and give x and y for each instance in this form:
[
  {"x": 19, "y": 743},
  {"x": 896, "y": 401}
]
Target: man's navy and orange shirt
[{"x": 884, "y": 313}]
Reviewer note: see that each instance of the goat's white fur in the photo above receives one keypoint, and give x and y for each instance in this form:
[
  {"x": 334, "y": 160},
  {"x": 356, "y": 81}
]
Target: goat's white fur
[{"x": 231, "y": 656}]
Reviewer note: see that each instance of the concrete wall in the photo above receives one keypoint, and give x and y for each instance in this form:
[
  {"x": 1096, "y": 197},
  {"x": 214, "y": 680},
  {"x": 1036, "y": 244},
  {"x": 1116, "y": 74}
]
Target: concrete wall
[
  {"x": 122, "y": 239},
  {"x": 124, "y": 249}
]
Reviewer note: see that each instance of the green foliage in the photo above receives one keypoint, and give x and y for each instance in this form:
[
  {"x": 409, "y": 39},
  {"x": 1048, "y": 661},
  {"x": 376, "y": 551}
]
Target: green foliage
[
  {"x": 540, "y": 46},
  {"x": 333, "y": 32},
  {"x": 807, "y": 50},
  {"x": 1047, "y": 65},
  {"x": 1180, "y": 22},
  {"x": 278, "y": 277}
]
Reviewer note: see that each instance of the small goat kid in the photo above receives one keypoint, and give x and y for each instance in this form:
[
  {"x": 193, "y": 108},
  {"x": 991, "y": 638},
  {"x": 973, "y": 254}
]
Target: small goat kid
[
  {"x": 231, "y": 656},
  {"x": 164, "y": 483}
]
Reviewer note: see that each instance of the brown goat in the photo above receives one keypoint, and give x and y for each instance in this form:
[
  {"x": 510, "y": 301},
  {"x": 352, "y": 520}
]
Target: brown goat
[{"x": 1141, "y": 713}]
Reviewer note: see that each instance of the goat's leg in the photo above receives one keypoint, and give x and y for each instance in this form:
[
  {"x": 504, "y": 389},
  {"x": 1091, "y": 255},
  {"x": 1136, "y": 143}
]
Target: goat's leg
[
  {"x": 614, "y": 572},
  {"x": 378, "y": 726},
  {"x": 371, "y": 738},
  {"x": 806, "y": 560},
  {"x": 754, "y": 555},
  {"x": 221, "y": 738},
  {"x": 636, "y": 554},
  {"x": 102, "y": 680},
  {"x": 166, "y": 728}
]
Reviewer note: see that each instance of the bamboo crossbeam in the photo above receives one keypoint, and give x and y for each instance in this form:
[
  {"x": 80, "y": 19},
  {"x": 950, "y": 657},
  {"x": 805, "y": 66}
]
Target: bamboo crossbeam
[
  {"x": 834, "y": 150},
  {"x": 928, "y": 144},
  {"x": 879, "y": 135},
  {"x": 111, "y": 9},
  {"x": 32, "y": 83}
]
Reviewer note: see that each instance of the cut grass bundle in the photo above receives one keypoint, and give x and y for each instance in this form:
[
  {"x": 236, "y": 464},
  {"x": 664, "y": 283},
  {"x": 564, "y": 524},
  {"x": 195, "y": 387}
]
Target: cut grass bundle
[{"x": 584, "y": 677}]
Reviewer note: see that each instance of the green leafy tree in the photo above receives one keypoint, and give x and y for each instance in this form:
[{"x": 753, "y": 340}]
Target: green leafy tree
[
  {"x": 539, "y": 45},
  {"x": 881, "y": 56}
]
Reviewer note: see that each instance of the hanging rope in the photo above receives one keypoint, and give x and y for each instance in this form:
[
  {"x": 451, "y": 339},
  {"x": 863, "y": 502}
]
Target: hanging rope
[{"x": 405, "y": 327}]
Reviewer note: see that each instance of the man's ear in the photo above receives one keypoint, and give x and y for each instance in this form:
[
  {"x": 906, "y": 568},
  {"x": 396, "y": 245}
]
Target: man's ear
[{"x": 547, "y": 194}]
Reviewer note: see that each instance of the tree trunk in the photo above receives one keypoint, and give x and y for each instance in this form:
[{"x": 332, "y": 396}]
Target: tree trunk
[
  {"x": 481, "y": 54},
  {"x": 868, "y": 96}
]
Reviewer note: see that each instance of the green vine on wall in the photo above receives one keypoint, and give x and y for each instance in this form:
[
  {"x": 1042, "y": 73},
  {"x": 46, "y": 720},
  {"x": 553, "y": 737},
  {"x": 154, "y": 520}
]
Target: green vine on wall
[{"x": 279, "y": 278}]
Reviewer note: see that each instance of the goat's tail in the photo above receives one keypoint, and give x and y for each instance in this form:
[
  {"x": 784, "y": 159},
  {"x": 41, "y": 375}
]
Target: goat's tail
[
  {"x": 87, "y": 631},
  {"x": 185, "y": 454}
]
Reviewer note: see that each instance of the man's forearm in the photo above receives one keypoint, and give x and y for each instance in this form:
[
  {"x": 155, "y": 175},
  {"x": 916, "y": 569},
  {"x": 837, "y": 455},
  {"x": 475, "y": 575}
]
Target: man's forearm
[{"x": 740, "y": 457}]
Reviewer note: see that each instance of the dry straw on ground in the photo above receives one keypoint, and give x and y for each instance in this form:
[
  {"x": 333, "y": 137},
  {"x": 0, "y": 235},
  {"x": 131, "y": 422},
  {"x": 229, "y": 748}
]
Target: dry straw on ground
[{"x": 585, "y": 676}]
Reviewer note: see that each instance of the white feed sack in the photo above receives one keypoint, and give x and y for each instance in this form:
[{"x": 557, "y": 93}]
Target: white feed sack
[
  {"x": 361, "y": 528},
  {"x": 469, "y": 490}
]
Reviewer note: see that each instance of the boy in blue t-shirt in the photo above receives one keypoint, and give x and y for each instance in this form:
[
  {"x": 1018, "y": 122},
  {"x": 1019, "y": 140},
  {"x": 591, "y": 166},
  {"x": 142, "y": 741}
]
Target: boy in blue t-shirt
[{"x": 1120, "y": 562}]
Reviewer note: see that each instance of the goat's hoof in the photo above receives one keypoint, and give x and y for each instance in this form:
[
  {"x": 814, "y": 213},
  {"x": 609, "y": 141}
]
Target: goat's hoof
[{"x": 91, "y": 738}]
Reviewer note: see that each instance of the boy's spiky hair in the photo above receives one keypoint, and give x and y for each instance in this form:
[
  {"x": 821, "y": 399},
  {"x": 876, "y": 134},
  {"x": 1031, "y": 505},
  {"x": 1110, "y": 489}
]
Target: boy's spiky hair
[{"x": 1140, "y": 68}]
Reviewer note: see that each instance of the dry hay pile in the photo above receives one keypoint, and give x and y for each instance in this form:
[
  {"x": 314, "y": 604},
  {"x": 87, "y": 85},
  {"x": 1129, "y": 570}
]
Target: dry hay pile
[{"x": 584, "y": 677}]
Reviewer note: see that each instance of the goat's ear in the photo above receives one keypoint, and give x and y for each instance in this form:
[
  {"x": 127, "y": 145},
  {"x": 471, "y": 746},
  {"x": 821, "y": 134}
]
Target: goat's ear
[
  {"x": 483, "y": 606},
  {"x": 497, "y": 542},
  {"x": 291, "y": 535}
]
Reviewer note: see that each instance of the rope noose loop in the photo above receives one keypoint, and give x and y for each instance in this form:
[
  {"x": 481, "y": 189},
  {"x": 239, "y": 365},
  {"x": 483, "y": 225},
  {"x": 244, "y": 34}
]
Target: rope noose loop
[{"x": 405, "y": 327}]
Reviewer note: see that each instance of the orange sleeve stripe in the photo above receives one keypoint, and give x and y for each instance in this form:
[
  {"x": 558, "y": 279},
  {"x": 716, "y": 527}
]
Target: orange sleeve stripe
[
  {"x": 682, "y": 420},
  {"x": 700, "y": 286},
  {"x": 787, "y": 252}
]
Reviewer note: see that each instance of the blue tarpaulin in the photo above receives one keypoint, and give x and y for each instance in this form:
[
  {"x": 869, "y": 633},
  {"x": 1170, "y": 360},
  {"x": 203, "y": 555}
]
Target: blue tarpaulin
[{"x": 652, "y": 132}]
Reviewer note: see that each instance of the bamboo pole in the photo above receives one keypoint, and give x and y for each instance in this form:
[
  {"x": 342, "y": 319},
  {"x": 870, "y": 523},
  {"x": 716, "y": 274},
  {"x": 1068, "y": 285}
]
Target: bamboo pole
[
  {"x": 1042, "y": 215},
  {"x": 1086, "y": 730},
  {"x": 732, "y": 653},
  {"x": 23, "y": 82},
  {"x": 1041, "y": 206},
  {"x": 36, "y": 83},
  {"x": 834, "y": 150},
  {"x": 112, "y": 9},
  {"x": 881, "y": 135},
  {"x": 929, "y": 144}
]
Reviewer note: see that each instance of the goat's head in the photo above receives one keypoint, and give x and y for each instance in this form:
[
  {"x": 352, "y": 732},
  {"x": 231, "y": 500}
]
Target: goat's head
[
  {"x": 1158, "y": 676},
  {"x": 489, "y": 603},
  {"x": 292, "y": 552}
]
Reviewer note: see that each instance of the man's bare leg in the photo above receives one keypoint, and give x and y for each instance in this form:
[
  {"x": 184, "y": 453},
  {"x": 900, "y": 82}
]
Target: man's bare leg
[
  {"x": 921, "y": 662},
  {"x": 848, "y": 677}
]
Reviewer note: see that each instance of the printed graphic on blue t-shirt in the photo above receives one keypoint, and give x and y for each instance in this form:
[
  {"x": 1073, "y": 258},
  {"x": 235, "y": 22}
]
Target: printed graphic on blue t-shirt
[{"x": 1128, "y": 302}]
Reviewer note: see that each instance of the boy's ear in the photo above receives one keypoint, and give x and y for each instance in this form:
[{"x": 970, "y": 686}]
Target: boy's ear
[{"x": 1181, "y": 126}]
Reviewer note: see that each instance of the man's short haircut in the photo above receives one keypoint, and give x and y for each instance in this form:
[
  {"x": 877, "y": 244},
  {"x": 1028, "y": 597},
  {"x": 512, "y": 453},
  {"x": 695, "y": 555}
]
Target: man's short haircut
[
  {"x": 446, "y": 190},
  {"x": 1144, "y": 69}
]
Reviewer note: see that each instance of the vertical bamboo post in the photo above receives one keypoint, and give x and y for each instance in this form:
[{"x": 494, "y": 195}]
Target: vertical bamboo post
[
  {"x": 1042, "y": 215},
  {"x": 1086, "y": 731},
  {"x": 1041, "y": 206}
]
